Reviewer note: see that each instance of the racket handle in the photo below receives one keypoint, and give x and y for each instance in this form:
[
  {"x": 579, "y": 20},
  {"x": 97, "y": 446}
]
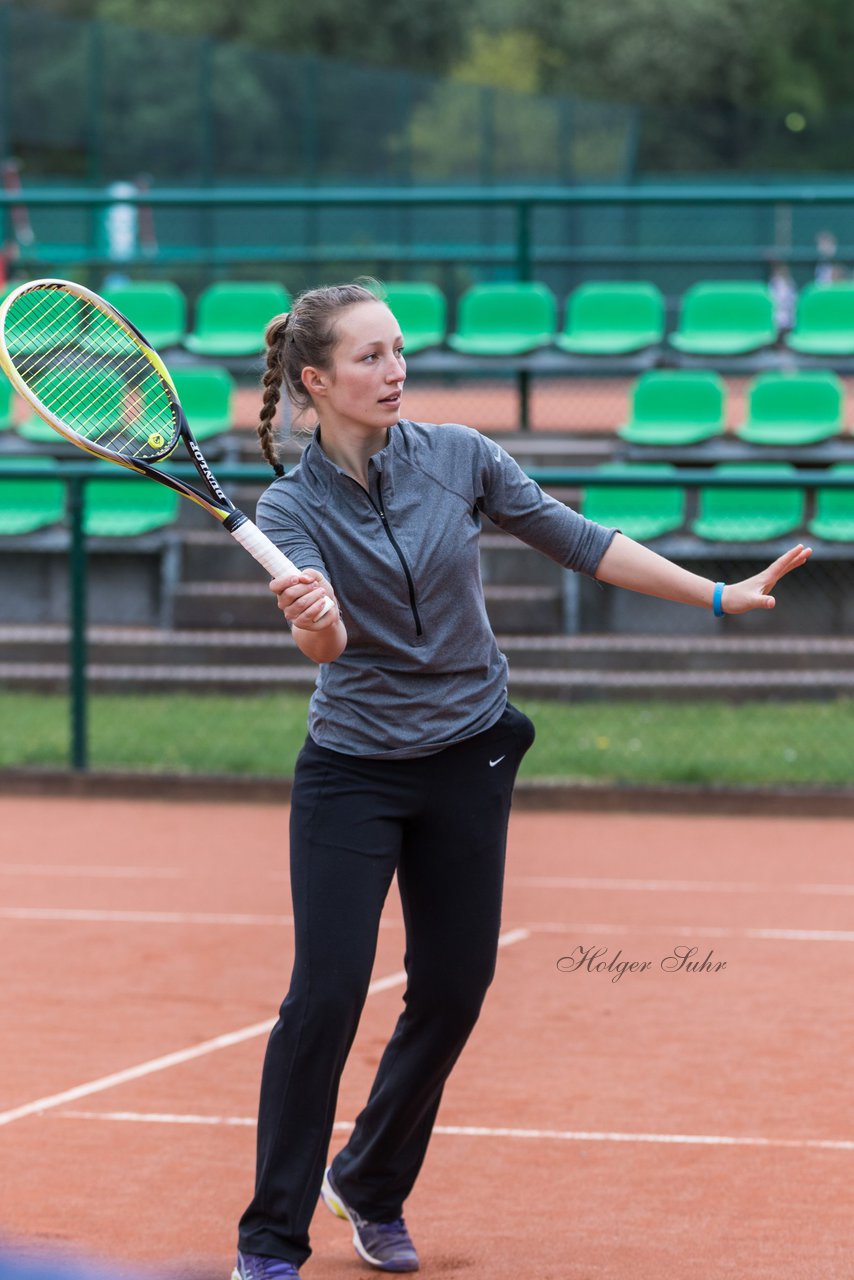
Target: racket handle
[{"x": 268, "y": 554}]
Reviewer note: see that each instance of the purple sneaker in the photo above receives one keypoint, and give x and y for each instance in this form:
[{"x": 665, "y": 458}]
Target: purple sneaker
[
  {"x": 385, "y": 1245},
  {"x": 251, "y": 1266}
]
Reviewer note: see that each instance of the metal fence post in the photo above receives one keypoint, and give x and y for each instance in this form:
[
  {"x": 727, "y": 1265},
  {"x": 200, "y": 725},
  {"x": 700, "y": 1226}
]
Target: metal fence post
[
  {"x": 95, "y": 111},
  {"x": 523, "y": 269},
  {"x": 523, "y": 383},
  {"x": 523, "y": 240},
  {"x": 5, "y": 91},
  {"x": 77, "y": 612}
]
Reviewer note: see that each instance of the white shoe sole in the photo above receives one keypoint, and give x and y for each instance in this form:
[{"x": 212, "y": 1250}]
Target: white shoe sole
[
  {"x": 332, "y": 1201},
  {"x": 336, "y": 1205}
]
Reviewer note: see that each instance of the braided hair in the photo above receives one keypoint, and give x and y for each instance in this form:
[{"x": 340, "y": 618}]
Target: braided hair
[{"x": 303, "y": 336}]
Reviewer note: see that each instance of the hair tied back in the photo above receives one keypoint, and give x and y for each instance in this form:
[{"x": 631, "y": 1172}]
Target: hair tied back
[{"x": 278, "y": 329}]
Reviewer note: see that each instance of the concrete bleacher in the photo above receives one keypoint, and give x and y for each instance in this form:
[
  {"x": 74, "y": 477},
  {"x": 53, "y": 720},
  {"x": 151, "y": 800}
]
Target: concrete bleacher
[
  {"x": 126, "y": 659},
  {"x": 188, "y": 606}
]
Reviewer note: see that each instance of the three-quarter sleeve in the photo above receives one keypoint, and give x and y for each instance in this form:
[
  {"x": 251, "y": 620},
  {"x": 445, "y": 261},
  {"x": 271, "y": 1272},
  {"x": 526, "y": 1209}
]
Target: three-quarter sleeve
[
  {"x": 517, "y": 504},
  {"x": 290, "y": 535}
]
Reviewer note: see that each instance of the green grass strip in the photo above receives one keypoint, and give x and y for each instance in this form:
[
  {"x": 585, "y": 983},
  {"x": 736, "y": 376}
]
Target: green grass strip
[{"x": 638, "y": 741}]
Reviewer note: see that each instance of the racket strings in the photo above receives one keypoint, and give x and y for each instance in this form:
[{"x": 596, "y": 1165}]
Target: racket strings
[
  {"x": 91, "y": 373},
  {"x": 120, "y": 369},
  {"x": 91, "y": 404},
  {"x": 88, "y": 392}
]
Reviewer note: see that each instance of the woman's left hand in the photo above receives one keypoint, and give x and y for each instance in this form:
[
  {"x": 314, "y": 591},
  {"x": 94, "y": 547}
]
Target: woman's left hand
[{"x": 755, "y": 592}]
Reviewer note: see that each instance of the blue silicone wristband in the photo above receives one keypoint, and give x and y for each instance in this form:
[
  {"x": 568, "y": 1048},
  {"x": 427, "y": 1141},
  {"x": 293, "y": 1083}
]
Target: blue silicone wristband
[{"x": 717, "y": 599}]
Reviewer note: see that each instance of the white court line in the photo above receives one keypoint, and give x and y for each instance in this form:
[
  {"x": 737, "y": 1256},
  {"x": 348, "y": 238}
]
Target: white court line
[
  {"x": 21, "y": 869},
  {"x": 92, "y": 915},
  {"x": 95, "y": 916},
  {"x": 480, "y": 1131},
  {"x": 677, "y": 886},
  {"x": 111, "y": 873},
  {"x": 195, "y": 1051},
  {"x": 134, "y": 1073},
  {"x": 692, "y": 931}
]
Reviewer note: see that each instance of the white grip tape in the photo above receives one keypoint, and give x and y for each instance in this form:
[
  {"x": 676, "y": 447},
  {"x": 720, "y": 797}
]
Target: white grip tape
[{"x": 268, "y": 554}]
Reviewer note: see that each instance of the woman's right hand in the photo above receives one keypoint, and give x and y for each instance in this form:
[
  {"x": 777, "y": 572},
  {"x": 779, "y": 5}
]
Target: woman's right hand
[{"x": 301, "y": 600}]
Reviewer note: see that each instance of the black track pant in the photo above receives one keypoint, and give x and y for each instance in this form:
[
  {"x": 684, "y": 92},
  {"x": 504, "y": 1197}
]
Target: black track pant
[{"x": 440, "y": 822}]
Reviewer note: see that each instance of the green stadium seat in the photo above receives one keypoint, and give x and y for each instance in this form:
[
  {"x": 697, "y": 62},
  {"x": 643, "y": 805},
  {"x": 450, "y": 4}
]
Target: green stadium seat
[
  {"x": 421, "y": 311},
  {"x": 504, "y": 319},
  {"x": 612, "y": 319},
  {"x": 834, "y": 509},
  {"x": 824, "y": 324},
  {"x": 126, "y": 506},
  {"x": 158, "y": 308},
  {"x": 27, "y": 505},
  {"x": 108, "y": 394},
  {"x": 231, "y": 317},
  {"x": 206, "y": 398},
  {"x": 36, "y": 431},
  {"x": 678, "y": 407},
  {"x": 7, "y": 403},
  {"x": 793, "y": 408},
  {"x": 727, "y": 318},
  {"x": 643, "y": 511},
  {"x": 748, "y": 514}
]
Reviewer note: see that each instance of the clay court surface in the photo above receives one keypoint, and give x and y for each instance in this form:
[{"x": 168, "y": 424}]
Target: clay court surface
[{"x": 667, "y": 1124}]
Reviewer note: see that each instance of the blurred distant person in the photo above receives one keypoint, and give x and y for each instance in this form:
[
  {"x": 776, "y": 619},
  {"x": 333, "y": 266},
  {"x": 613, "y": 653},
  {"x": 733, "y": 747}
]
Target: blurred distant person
[
  {"x": 9, "y": 254},
  {"x": 784, "y": 294},
  {"x": 827, "y": 269}
]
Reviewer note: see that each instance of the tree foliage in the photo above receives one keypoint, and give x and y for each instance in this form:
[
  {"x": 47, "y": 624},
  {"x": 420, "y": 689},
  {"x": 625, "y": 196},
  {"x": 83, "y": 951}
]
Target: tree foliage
[
  {"x": 717, "y": 82},
  {"x": 767, "y": 55},
  {"x": 421, "y": 37}
]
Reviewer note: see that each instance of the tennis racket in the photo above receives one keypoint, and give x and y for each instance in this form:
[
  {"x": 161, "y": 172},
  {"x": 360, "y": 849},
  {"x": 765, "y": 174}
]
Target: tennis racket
[{"x": 91, "y": 375}]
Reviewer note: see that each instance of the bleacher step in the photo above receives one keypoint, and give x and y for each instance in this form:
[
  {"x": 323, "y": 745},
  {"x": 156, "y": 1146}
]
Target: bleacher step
[
  {"x": 551, "y": 685},
  {"x": 209, "y": 647},
  {"x": 530, "y": 448}
]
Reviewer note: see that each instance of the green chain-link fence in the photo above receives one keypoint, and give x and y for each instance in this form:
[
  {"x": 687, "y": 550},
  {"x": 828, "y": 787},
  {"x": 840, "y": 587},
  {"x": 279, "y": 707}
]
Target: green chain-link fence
[{"x": 101, "y": 102}]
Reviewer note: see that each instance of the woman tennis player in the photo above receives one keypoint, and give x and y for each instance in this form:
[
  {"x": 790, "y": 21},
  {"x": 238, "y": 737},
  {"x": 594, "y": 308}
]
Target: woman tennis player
[{"x": 410, "y": 759}]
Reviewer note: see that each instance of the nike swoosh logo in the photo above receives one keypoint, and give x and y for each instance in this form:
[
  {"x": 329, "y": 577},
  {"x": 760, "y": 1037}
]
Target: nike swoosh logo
[{"x": 493, "y": 763}]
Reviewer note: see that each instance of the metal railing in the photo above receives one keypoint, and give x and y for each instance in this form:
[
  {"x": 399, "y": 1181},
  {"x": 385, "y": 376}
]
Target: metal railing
[{"x": 779, "y": 220}]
